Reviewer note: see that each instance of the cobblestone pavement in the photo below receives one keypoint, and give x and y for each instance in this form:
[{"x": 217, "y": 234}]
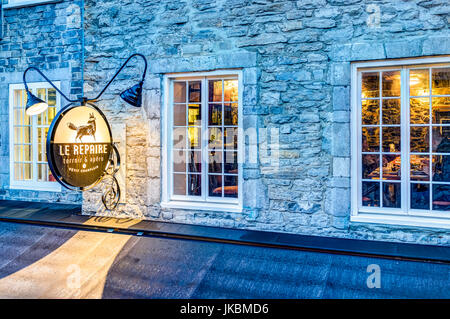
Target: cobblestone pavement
[{"x": 45, "y": 262}]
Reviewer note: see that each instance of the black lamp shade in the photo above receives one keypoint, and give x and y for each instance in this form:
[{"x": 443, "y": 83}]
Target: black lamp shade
[
  {"x": 34, "y": 105},
  {"x": 133, "y": 95}
]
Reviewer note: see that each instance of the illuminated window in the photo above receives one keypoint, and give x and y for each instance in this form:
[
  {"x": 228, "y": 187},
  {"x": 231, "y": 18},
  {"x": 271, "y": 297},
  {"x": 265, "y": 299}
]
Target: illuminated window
[
  {"x": 28, "y": 137},
  {"x": 203, "y": 140},
  {"x": 403, "y": 140}
]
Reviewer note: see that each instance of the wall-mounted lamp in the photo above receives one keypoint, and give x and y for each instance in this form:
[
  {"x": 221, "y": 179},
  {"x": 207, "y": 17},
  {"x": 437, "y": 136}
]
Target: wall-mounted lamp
[{"x": 132, "y": 96}]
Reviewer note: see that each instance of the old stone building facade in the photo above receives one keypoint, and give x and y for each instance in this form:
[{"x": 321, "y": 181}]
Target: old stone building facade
[
  {"x": 297, "y": 66},
  {"x": 45, "y": 34}
]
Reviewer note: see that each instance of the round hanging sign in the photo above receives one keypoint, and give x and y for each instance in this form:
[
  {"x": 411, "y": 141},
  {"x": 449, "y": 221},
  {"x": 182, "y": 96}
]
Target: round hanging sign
[{"x": 79, "y": 146}]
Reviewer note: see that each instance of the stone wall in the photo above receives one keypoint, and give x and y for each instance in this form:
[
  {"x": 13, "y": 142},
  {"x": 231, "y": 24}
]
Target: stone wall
[
  {"x": 49, "y": 37},
  {"x": 296, "y": 58}
]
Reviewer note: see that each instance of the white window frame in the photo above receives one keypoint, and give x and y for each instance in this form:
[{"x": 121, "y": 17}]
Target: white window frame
[
  {"x": 33, "y": 184},
  {"x": 193, "y": 202},
  {"x": 26, "y": 3},
  {"x": 384, "y": 215}
]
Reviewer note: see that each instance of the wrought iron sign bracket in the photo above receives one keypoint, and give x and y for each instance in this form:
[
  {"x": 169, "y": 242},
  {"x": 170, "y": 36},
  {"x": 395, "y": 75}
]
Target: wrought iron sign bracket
[{"x": 77, "y": 164}]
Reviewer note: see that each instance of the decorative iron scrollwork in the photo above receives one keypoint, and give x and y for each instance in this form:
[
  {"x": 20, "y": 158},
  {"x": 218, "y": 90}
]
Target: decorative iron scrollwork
[{"x": 111, "y": 193}]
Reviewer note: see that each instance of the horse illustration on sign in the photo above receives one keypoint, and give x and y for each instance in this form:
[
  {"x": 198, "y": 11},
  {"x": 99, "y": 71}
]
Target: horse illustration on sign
[{"x": 84, "y": 130}]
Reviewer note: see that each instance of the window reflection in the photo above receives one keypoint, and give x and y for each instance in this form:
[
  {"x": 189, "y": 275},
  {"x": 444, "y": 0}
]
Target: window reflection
[
  {"x": 370, "y": 139},
  {"x": 441, "y": 197},
  {"x": 370, "y": 112},
  {"x": 370, "y": 84},
  {"x": 391, "y": 195},
  {"x": 371, "y": 194},
  {"x": 420, "y": 167},
  {"x": 420, "y": 196},
  {"x": 441, "y": 81},
  {"x": 419, "y": 82},
  {"x": 391, "y": 167}
]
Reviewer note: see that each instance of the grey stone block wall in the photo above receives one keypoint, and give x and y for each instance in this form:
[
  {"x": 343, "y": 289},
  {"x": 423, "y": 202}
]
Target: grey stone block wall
[
  {"x": 296, "y": 58},
  {"x": 49, "y": 37}
]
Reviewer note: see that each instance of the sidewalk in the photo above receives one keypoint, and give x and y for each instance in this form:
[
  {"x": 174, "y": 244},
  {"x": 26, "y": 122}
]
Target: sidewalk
[{"x": 62, "y": 215}]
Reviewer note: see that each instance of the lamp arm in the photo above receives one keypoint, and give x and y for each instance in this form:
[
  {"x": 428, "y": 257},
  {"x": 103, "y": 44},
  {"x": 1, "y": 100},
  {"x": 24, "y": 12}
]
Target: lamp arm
[
  {"x": 117, "y": 73},
  {"x": 47, "y": 79}
]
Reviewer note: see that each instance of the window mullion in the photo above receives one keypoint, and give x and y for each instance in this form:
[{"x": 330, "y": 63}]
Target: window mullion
[
  {"x": 404, "y": 111},
  {"x": 204, "y": 137},
  {"x": 34, "y": 147}
]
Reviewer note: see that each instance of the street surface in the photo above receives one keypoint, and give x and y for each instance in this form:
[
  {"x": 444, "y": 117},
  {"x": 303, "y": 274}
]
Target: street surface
[{"x": 45, "y": 262}]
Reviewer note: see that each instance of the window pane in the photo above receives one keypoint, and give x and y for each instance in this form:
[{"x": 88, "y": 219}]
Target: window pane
[
  {"x": 419, "y": 84},
  {"x": 27, "y": 174},
  {"x": 391, "y": 195},
  {"x": 179, "y": 161},
  {"x": 50, "y": 176},
  {"x": 18, "y": 172},
  {"x": 215, "y": 185},
  {"x": 230, "y": 138},
  {"x": 231, "y": 163},
  {"x": 230, "y": 186},
  {"x": 441, "y": 81},
  {"x": 370, "y": 84},
  {"x": 391, "y": 83},
  {"x": 441, "y": 168},
  {"x": 194, "y": 137},
  {"x": 194, "y": 114},
  {"x": 179, "y": 184},
  {"x": 441, "y": 110},
  {"x": 27, "y": 155},
  {"x": 18, "y": 98},
  {"x": 391, "y": 139},
  {"x": 391, "y": 111},
  {"x": 441, "y": 139},
  {"x": 370, "y": 112},
  {"x": 215, "y": 162},
  {"x": 195, "y": 185},
  {"x": 195, "y": 91},
  {"x": 215, "y": 138},
  {"x": 420, "y": 196},
  {"x": 215, "y": 91},
  {"x": 18, "y": 153},
  {"x": 42, "y": 172},
  {"x": 230, "y": 113},
  {"x": 18, "y": 116},
  {"x": 371, "y": 194},
  {"x": 370, "y": 166},
  {"x": 391, "y": 167},
  {"x": 195, "y": 162},
  {"x": 370, "y": 139},
  {"x": 51, "y": 113},
  {"x": 420, "y": 140},
  {"x": 27, "y": 119},
  {"x": 231, "y": 90},
  {"x": 179, "y": 114},
  {"x": 215, "y": 114},
  {"x": 51, "y": 97},
  {"x": 420, "y": 111},
  {"x": 441, "y": 197},
  {"x": 179, "y": 92},
  {"x": 420, "y": 167},
  {"x": 179, "y": 137}
]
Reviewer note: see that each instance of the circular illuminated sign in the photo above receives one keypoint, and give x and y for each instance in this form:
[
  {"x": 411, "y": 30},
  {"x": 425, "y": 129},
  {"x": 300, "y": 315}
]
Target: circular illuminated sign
[{"x": 79, "y": 145}]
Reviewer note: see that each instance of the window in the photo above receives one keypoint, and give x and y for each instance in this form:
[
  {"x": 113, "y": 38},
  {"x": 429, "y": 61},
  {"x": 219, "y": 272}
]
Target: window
[
  {"x": 23, "y": 3},
  {"x": 28, "y": 137},
  {"x": 203, "y": 139},
  {"x": 403, "y": 141}
]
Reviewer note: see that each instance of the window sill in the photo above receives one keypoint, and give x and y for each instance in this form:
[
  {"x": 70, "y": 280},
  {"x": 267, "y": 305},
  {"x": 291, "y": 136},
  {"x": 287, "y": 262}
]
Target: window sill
[
  {"x": 28, "y": 3},
  {"x": 189, "y": 205},
  {"x": 401, "y": 220},
  {"x": 40, "y": 188}
]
